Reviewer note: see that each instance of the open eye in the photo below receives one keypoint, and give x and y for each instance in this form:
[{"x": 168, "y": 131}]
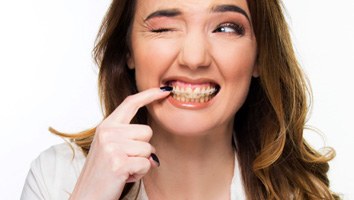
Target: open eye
[{"x": 230, "y": 28}]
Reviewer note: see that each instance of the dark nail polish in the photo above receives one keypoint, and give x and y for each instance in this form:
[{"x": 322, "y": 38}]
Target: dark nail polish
[
  {"x": 166, "y": 88},
  {"x": 155, "y": 158}
]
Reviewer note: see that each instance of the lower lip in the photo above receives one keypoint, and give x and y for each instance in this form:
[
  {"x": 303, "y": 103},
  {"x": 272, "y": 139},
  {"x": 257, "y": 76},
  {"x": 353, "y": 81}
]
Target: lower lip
[{"x": 190, "y": 105}]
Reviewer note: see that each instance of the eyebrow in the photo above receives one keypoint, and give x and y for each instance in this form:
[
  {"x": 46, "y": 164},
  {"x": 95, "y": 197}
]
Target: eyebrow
[
  {"x": 230, "y": 8},
  {"x": 215, "y": 9},
  {"x": 164, "y": 13}
]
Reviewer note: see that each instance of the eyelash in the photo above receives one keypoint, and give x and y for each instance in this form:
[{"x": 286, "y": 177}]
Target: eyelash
[
  {"x": 161, "y": 30},
  {"x": 236, "y": 28}
]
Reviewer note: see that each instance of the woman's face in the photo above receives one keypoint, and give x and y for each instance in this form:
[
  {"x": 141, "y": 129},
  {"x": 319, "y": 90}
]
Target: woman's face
[{"x": 204, "y": 49}]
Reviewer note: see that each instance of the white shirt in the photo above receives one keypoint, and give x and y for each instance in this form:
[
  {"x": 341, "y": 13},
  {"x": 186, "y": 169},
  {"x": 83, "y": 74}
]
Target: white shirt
[{"x": 54, "y": 173}]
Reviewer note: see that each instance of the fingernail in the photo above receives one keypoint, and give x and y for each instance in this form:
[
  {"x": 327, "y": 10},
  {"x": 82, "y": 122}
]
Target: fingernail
[
  {"x": 155, "y": 158},
  {"x": 166, "y": 88}
]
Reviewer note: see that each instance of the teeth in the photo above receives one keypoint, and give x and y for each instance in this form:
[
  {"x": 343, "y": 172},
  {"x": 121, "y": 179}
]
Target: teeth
[
  {"x": 198, "y": 94},
  {"x": 183, "y": 99}
]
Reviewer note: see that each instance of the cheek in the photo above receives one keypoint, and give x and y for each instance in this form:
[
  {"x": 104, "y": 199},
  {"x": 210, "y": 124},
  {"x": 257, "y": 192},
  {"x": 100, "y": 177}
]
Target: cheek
[
  {"x": 152, "y": 59},
  {"x": 237, "y": 62}
]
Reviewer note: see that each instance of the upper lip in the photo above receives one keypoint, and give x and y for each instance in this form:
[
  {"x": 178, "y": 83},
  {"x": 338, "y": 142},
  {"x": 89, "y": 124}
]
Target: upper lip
[{"x": 189, "y": 80}]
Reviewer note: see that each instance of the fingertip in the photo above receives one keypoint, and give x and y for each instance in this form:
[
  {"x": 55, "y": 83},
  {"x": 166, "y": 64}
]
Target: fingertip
[
  {"x": 166, "y": 88},
  {"x": 125, "y": 112},
  {"x": 153, "y": 94},
  {"x": 153, "y": 164},
  {"x": 154, "y": 160}
]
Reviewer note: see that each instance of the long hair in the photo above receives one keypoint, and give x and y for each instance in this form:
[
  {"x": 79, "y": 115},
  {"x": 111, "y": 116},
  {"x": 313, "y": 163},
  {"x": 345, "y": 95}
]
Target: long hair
[{"x": 275, "y": 160}]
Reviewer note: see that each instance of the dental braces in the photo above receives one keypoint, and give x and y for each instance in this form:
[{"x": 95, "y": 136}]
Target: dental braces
[{"x": 193, "y": 95}]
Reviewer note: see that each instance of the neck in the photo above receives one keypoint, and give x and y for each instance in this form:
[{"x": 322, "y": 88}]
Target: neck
[{"x": 191, "y": 165}]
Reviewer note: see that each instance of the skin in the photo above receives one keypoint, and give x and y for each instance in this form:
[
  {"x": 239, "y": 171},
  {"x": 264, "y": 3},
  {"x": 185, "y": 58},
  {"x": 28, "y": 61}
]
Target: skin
[
  {"x": 120, "y": 152},
  {"x": 193, "y": 51},
  {"x": 193, "y": 145}
]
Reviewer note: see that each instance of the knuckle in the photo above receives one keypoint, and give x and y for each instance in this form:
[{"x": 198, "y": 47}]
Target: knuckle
[
  {"x": 101, "y": 136},
  {"x": 149, "y": 148},
  {"x": 99, "y": 128},
  {"x": 144, "y": 150},
  {"x": 109, "y": 149},
  {"x": 146, "y": 165},
  {"x": 118, "y": 168},
  {"x": 148, "y": 131},
  {"x": 129, "y": 99}
]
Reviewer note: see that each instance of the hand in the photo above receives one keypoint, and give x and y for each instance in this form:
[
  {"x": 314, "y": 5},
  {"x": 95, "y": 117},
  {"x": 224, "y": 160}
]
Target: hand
[{"x": 120, "y": 152}]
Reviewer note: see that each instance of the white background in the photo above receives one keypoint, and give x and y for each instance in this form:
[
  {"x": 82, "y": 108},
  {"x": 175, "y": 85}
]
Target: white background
[{"x": 48, "y": 78}]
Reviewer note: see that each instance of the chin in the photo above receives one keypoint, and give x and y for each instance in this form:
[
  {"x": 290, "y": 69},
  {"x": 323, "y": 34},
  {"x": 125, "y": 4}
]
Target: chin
[{"x": 186, "y": 122}]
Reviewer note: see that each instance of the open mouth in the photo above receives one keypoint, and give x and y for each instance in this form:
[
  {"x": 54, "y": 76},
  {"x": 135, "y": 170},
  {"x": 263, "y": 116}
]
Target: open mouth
[{"x": 193, "y": 92}]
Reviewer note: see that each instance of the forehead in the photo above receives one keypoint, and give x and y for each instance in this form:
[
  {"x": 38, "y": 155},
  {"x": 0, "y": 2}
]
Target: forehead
[{"x": 188, "y": 6}]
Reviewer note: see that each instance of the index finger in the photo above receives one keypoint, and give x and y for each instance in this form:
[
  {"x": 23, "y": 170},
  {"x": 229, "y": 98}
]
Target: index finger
[{"x": 125, "y": 112}]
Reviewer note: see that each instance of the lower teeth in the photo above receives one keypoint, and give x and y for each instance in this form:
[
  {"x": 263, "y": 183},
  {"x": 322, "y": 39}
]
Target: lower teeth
[{"x": 192, "y": 100}]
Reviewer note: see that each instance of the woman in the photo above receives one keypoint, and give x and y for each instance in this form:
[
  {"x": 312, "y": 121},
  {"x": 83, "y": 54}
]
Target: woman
[{"x": 202, "y": 99}]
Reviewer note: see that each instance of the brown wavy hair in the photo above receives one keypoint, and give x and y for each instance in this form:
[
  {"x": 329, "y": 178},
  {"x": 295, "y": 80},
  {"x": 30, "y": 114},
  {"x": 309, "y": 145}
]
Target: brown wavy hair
[{"x": 275, "y": 160}]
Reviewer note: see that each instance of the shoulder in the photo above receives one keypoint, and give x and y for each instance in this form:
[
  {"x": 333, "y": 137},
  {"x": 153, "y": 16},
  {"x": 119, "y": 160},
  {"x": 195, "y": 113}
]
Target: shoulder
[
  {"x": 54, "y": 172},
  {"x": 64, "y": 154},
  {"x": 64, "y": 151},
  {"x": 66, "y": 159}
]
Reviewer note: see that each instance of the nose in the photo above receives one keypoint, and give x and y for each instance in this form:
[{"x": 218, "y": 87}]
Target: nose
[{"x": 194, "y": 52}]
